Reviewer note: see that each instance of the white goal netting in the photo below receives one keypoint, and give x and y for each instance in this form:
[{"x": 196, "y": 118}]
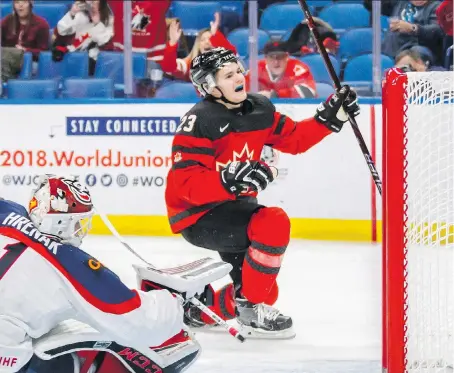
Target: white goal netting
[{"x": 429, "y": 225}]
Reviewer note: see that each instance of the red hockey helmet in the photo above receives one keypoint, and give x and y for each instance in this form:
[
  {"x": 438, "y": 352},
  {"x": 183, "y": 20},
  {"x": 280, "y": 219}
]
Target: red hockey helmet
[{"x": 61, "y": 207}]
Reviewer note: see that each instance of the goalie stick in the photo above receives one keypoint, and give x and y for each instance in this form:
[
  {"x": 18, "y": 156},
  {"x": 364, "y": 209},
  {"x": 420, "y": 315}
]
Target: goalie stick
[
  {"x": 230, "y": 329},
  {"x": 335, "y": 78}
]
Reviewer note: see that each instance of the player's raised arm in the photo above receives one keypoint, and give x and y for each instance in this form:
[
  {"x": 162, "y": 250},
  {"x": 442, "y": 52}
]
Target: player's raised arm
[{"x": 294, "y": 137}]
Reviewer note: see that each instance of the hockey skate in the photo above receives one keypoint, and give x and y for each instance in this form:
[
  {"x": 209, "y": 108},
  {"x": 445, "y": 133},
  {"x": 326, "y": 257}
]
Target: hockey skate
[
  {"x": 193, "y": 317},
  {"x": 260, "y": 321}
]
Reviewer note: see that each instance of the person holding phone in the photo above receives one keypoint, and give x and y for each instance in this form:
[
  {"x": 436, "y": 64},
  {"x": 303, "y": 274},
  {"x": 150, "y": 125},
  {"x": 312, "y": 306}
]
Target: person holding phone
[{"x": 87, "y": 26}]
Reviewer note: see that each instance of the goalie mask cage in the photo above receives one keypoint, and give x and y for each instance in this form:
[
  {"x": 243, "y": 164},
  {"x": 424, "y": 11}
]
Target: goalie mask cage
[{"x": 418, "y": 222}]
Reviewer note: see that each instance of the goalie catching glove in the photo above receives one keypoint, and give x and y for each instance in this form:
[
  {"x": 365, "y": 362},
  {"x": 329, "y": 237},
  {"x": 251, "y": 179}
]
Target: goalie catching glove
[
  {"x": 334, "y": 112},
  {"x": 237, "y": 177}
]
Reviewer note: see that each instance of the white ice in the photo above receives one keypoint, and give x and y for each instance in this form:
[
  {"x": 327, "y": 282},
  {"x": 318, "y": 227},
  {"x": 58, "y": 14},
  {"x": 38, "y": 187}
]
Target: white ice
[{"x": 332, "y": 291}]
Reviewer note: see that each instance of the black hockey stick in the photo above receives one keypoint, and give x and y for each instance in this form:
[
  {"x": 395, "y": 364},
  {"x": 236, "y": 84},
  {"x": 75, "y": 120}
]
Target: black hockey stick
[{"x": 335, "y": 78}]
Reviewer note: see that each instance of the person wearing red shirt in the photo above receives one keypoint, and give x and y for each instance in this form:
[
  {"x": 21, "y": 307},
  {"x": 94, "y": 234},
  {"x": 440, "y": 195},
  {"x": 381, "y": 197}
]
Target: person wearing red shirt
[
  {"x": 148, "y": 24},
  {"x": 282, "y": 76},
  {"x": 25, "y": 30},
  {"x": 444, "y": 16},
  {"x": 217, "y": 174},
  {"x": 206, "y": 40}
]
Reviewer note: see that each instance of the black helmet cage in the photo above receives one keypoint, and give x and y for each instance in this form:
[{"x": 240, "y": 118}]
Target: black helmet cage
[{"x": 205, "y": 66}]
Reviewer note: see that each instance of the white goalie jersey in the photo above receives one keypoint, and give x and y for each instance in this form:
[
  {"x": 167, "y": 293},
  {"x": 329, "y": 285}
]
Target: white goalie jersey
[{"x": 44, "y": 282}]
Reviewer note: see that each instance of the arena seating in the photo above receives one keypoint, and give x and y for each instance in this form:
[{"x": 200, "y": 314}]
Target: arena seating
[{"x": 70, "y": 77}]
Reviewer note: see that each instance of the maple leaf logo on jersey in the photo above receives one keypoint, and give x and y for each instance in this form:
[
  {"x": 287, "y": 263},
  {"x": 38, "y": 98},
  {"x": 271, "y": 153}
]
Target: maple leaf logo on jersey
[
  {"x": 140, "y": 20},
  {"x": 243, "y": 155},
  {"x": 177, "y": 157}
]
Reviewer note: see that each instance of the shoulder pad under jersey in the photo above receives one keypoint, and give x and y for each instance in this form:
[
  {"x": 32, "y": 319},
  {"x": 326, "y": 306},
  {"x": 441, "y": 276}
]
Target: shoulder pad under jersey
[
  {"x": 259, "y": 100},
  {"x": 198, "y": 121}
]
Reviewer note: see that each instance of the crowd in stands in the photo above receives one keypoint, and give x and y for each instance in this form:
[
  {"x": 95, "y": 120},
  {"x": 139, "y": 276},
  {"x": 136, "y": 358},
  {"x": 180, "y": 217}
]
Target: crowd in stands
[{"x": 75, "y": 49}]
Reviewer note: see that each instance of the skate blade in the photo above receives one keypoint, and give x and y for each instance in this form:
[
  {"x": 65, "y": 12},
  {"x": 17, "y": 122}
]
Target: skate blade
[
  {"x": 248, "y": 332},
  {"x": 255, "y": 333}
]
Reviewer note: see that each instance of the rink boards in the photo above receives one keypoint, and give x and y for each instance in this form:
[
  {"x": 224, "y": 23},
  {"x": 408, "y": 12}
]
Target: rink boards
[{"x": 122, "y": 151}]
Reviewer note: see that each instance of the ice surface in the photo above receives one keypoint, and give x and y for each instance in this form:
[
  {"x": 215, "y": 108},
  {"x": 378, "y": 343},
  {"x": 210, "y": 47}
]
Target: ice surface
[{"x": 332, "y": 291}]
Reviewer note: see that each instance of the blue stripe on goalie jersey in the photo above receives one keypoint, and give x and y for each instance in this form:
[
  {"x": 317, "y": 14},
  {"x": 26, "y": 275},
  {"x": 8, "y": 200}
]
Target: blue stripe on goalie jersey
[{"x": 102, "y": 284}]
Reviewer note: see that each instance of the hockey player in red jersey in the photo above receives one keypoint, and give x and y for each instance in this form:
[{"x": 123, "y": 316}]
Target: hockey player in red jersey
[
  {"x": 282, "y": 76},
  {"x": 217, "y": 174}
]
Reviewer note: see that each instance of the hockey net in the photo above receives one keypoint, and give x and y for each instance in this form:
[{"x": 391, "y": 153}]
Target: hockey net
[{"x": 418, "y": 222}]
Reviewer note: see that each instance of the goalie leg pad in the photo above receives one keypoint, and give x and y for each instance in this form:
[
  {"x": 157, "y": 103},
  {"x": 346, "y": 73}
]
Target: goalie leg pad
[
  {"x": 220, "y": 298},
  {"x": 269, "y": 233}
]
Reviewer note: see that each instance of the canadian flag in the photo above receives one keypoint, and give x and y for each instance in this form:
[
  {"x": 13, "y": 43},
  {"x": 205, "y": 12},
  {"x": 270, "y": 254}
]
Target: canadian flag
[{"x": 148, "y": 25}]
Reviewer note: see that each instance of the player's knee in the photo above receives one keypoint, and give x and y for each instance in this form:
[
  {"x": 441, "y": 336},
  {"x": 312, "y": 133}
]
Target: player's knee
[{"x": 270, "y": 226}]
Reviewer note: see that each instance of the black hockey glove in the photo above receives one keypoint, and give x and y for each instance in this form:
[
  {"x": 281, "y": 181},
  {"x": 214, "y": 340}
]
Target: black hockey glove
[
  {"x": 238, "y": 176},
  {"x": 333, "y": 112}
]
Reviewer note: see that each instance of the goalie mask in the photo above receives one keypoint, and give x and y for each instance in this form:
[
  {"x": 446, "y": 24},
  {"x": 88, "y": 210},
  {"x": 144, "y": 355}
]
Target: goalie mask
[
  {"x": 205, "y": 66},
  {"x": 61, "y": 208}
]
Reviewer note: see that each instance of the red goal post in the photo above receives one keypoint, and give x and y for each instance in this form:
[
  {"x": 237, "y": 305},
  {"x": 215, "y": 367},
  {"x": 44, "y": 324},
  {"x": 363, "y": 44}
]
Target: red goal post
[{"x": 418, "y": 222}]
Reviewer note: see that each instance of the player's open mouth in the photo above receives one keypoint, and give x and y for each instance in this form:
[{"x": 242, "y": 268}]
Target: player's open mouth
[{"x": 239, "y": 88}]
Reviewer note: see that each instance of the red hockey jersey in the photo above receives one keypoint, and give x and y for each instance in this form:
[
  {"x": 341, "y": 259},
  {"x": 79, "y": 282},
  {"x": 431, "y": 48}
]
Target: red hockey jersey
[
  {"x": 148, "y": 24},
  {"x": 210, "y": 136},
  {"x": 297, "y": 81}
]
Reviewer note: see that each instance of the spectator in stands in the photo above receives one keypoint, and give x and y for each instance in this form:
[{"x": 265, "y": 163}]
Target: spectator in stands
[
  {"x": 444, "y": 16},
  {"x": 416, "y": 59},
  {"x": 387, "y": 7},
  {"x": 174, "y": 28},
  {"x": 413, "y": 22},
  {"x": 282, "y": 76},
  {"x": 11, "y": 63},
  {"x": 301, "y": 41},
  {"x": 206, "y": 39},
  {"x": 148, "y": 26},
  {"x": 88, "y": 26},
  {"x": 445, "y": 20},
  {"x": 24, "y": 30}
]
